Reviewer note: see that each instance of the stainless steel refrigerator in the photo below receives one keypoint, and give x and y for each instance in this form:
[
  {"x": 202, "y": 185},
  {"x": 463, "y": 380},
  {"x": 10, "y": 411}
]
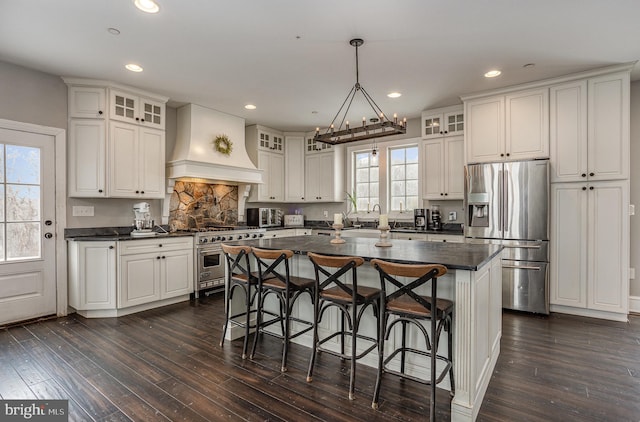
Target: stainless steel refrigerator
[{"x": 508, "y": 203}]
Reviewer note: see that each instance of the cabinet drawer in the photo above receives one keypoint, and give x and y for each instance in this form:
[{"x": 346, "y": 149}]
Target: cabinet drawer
[{"x": 152, "y": 245}]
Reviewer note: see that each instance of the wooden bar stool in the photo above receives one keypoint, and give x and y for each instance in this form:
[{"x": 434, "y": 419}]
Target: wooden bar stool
[
  {"x": 274, "y": 278},
  {"x": 239, "y": 275},
  {"x": 401, "y": 301},
  {"x": 351, "y": 299}
]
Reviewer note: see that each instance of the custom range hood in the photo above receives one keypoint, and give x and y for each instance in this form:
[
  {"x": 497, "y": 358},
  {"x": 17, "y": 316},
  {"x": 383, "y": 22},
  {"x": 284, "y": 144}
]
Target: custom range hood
[{"x": 195, "y": 156}]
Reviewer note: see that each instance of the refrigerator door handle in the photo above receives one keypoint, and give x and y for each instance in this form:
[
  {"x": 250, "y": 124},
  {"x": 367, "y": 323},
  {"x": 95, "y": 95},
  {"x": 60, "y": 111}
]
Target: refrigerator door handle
[
  {"x": 500, "y": 200},
  {"x": 505, "y": 199},
  {"x": 522, "y": 246},
  {"x": 521, "y": 267}
]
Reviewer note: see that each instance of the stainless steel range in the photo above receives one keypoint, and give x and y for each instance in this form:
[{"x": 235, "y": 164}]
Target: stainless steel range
[{"x": 210, "y": 265}]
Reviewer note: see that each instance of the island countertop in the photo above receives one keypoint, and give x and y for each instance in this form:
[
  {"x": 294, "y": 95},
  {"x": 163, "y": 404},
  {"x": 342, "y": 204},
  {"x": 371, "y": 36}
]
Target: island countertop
[{"x": 460, "y": 256}]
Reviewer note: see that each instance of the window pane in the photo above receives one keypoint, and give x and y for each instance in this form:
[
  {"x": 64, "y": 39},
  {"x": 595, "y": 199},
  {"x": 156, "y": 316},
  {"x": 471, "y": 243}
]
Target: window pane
[
  {"x": 397, "y": 172},
  {"x": 362, "y": 191},
  {"x": 412, "y": 155},
  {"x": 362, "y": 160},
  {"x": 23, "y": 203},
  {"x": 2, "y": 202},
  {"x": 412, "y": 187},
  {"x": 374, "y": 174},
  {"x": 23, "y": 164},
  {"x": 362, "y": 175},
  {"x": 412, "y": 171},
  {"x": 412, "y": 203},
  {"x": 2, "y": 257},
  {"x": 397, "y": 188},
  {"x": 374, "y": 193},
  {"x": 397, "y": 156},
  {"x": 23, "y": 240}
]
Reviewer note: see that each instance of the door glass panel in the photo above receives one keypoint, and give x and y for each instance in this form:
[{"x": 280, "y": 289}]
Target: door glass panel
[{"x": 20, "y": 203}]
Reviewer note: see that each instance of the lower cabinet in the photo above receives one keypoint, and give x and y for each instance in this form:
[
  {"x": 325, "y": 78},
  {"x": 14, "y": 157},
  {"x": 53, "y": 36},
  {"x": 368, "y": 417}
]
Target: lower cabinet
[
  {"x": 589, "y": 265},
  {"x": 92, "y": 275},
  {"x": 112, "y": 278},
  {"x": 154, "y": 269}
]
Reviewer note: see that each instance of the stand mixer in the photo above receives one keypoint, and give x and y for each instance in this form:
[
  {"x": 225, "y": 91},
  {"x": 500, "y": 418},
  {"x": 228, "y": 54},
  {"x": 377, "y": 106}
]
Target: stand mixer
[{"x": 143, "y": 224}]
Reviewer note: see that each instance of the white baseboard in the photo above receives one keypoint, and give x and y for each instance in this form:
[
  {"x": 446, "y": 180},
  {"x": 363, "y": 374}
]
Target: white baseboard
[{"x": 634, "y": 304}]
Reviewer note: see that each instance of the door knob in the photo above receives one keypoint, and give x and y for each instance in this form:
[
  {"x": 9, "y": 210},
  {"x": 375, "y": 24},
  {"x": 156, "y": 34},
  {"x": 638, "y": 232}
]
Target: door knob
[
  {"x": 48, "y": 223},
  {"x": 48, "y": 235}
]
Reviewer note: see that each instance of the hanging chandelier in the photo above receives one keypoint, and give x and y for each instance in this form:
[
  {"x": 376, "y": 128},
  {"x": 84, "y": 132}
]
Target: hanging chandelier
[{"x": 377, "y": 127}]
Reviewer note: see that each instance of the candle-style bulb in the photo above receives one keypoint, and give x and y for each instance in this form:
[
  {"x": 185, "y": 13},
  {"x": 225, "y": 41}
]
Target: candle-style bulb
[
  {"x": 395, "y": 118},
  {"x": 317, "y": 130},
  {"x": 347, "y": 125}
]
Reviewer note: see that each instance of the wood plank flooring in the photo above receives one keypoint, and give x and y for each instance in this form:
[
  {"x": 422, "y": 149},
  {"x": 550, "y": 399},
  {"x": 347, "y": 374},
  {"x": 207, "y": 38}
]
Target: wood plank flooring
[{"x": 166, "y": 365}]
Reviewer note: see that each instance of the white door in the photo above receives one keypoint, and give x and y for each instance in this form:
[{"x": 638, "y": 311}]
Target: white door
[{"x": 27, "y": 226}]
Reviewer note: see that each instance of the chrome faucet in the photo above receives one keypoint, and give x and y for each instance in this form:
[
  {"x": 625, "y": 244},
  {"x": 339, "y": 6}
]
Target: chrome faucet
[{"x": 374, "y": 208}]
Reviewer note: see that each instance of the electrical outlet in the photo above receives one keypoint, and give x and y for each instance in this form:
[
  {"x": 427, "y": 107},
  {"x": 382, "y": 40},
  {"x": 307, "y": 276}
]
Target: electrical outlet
[
  {"x": 78, "y": 211},
  {"x": 632, "y": 209},
  {"x": 453, "y": 215},
  {"x": 325, "y": 213}
]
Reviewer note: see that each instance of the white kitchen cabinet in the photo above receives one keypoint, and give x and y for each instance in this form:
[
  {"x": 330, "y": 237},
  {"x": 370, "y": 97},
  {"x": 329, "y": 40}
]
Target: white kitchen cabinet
[
  {"x": 447, "y": 121},
  {"x": 409, "y": 236},
  {"x": 444, "y": 168},
  {"x": 451, "y": 238},
  {"x": 137, "y": 161},
  {"x": 92, "y": 275},
  {"x": 320, "y": 178},
  {"x": 272, "y": 234},
  {"x": 133, "y": 108},
  {"x": 590, "y": 129},
  {"x": 265, "y": 138},
  {"x": 508, "y": 127},
  {"x": 313, "y": 147},
  {"x": 272, "y": 188},
  {"x": 294, "y": 169},
  {"x": 87, "y": 152},
  {"x": 590, "y": 249},
  {"x": 154, "y": 269},
  {"x": 87, "y": 102}
]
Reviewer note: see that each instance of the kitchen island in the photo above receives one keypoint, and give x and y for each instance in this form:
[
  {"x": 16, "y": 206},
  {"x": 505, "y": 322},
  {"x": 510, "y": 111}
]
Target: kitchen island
[{"x": 473, "y": 282}]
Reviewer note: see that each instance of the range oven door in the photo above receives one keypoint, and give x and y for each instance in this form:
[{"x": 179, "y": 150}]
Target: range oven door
[{"x": 210, "y": 267}]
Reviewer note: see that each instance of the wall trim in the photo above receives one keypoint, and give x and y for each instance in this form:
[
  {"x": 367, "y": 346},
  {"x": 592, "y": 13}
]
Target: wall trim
[{"x": 634, "y": 304}]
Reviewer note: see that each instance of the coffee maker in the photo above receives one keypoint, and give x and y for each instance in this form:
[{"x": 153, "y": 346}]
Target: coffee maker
[
  {"x": 143, "y": 224},
  {"x": 420, "y": 218},
  {"x": 436, "y": 218}
]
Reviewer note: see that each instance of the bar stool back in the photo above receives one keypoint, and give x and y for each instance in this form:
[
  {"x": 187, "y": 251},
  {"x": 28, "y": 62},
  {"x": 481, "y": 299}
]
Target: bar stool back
[
  {"x": 351, "y": 299},
  {"x": 239, "y": 275},
  {"x": 399, "y": 299},
  {"x": 274, "y": 278}
]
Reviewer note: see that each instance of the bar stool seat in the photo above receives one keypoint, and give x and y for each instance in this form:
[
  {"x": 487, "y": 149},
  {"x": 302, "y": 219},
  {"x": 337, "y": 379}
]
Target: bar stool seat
[
  {"x": 274, "y": 278},
  {"x": 351, "y": 300},
  {"x": 400, "y": 300}
]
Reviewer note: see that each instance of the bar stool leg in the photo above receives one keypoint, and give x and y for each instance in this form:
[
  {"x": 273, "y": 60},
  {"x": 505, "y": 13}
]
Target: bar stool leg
[
  {"x": 286, "y": 328},
  {"x": 404, "y": 345},
  {"x": 352, "y": 376},
  {"x": 227, "y": 305},
  {"x": 259, "y": 304},
  {"x": 314, "y": 344},
  {"x": 245, "y": 346}
]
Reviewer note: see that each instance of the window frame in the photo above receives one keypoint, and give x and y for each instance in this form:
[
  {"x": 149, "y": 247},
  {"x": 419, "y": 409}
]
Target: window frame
[{"x": 384, "y": 176}]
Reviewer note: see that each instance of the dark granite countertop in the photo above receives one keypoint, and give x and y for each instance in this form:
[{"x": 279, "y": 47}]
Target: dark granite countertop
[
  {"x": 93, "y": 234},
  {"x": 461, "y": 256}
]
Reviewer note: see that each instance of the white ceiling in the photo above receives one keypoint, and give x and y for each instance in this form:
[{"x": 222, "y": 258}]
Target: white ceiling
[{"x": 292, "y": 57}]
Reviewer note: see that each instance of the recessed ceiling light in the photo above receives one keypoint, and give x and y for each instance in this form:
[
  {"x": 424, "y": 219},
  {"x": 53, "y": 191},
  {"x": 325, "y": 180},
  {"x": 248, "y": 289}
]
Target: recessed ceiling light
[
  {"x": 250, "y": 107},
  {"x": 148, "y": 6},
  {"x": 114, "y": 31},
  {"x": 133, "y": 67},
  {"x": 492, "y": 74},
  {"x": 394, "y": 95}
]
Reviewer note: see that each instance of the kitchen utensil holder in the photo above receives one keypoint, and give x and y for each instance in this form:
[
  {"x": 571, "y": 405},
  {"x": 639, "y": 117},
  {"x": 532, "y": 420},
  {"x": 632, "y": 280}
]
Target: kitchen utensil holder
[
  {"x": 337, "y": 239},
  {"x": 384, "y": 234}
]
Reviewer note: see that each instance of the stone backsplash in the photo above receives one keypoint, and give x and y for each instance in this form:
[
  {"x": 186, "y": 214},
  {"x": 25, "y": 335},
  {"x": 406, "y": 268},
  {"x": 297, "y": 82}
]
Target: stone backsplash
[{"x": 199, "y": 205}]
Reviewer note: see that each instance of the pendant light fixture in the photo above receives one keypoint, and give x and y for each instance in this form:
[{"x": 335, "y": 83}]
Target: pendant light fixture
[{"x": 378, "y": 127}]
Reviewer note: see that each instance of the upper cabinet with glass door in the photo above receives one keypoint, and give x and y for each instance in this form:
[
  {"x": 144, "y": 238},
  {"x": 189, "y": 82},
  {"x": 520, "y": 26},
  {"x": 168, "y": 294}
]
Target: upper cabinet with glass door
[
  {"x": 312, "y": 147},
  {"x": 440, "y": 122},
  {"x": 132, "y": 108}
]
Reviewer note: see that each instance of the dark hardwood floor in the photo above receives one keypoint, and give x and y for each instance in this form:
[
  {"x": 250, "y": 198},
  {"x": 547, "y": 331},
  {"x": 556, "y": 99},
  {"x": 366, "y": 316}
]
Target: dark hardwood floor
[{"x": 166, "y": 364}]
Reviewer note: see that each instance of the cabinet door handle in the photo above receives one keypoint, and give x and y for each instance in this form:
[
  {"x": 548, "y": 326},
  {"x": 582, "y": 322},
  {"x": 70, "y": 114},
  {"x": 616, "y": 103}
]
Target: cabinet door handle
[
  {"x": 99, "y": 190},
  {"x": 590, "y": 187},
  {"x": 100, "y": 112},
  {"x": 160, "y": 245},
  {"x": 142, "y": 192},
  {"x": 592, "y": 174},
  {"x": 111, "y": 247},
  {"x": 508, "y": 154},
  {"x": 137, "y": 119},
  {"x": 137, "y": 191},
  {"x": 501, "y": 155},
  {"x": 157, "y": 257},
  {"x": 164, "y": 257},
  {"x": 445, "y": 194},
  {"x": 584, "y": 188},
  {"x": 584, "y": 175},
  {"x": 142, "y": 120}
]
